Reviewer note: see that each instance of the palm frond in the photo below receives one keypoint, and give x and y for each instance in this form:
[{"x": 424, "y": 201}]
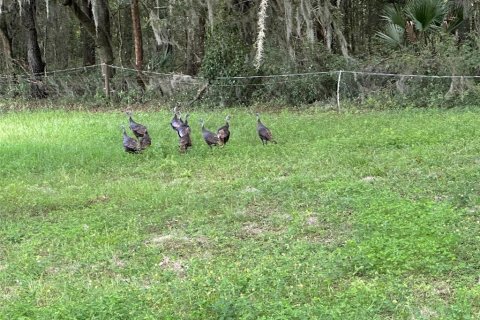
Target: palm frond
[
  {"x": 455, "y": 17},
  {"x": 427, "y": 14},
  {"x": 394, "y": 14},
  {"x": 393, "y": 35}
]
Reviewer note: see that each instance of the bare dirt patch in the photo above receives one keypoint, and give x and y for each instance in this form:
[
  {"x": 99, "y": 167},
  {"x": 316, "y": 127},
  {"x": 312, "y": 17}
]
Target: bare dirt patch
[
  {"x": 312, "y": 221},
  {"x": 369, "y": 179},
  {"x": 181, "y": 244},
  {"x": 175, "y": 266},
  {"x": 253, "y": 230},
  {"x": 329, "y": 233}
]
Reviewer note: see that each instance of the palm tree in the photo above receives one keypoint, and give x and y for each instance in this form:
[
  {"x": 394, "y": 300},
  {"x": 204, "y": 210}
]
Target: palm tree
[
  {"x": 419, "y": 20},
  {"x": 427, "y": 16}
]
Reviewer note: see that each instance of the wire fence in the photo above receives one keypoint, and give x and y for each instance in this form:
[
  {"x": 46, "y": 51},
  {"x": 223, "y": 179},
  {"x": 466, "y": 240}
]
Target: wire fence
[{"x": 339, "y": 89}]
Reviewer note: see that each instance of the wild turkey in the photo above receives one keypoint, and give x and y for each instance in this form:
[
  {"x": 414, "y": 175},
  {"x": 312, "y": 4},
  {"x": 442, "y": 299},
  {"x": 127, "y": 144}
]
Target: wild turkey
[
  {"x": 130, "y": 144},
  {"x": 184, "y": 129},
  {"x": 176, "y": 121},
  {"x": 209, "y": 137},
  {"x": 223, "y": 133},
  {"x": 138, "y": 129},
  {"x": 145, "y": 141},
  {"x": 185, "y": 142},
  {"x": 184, "y": 135},
  {"x": 263, "y": 132}
]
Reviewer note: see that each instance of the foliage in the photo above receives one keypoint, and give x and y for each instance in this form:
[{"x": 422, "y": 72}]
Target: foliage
[
  {"x": 439, "y": 90},
  {"x": 314, "y": 83},
  {"x": 214, "y": 41},
  {"x": 226, "y": 56},
  {"x": 426, "y": 16},
  {"x": 394, "y": 32},
  {"x": 393, "y": 35}
]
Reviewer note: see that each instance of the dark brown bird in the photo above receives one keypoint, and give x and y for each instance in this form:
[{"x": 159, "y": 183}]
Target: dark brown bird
[
  {"x": 129, "y": 144},
  {"x": 184, "y": 128},
  {"x": 176, "y": 120},
  {"x": 185, "y": 142},
  {"x": 263, "y": 132},
  {"x": 184, "y": 132},
  {"x": 138, "y": 129},
  {"x": 223, "y": 133},
  {"x": 210, "y": 138},
  {"x": 145, "y": 141}
]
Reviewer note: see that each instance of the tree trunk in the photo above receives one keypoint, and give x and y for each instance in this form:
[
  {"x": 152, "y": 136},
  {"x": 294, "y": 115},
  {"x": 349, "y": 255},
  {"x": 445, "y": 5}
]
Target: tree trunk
[
  {"x": 331, "y": 27},
  {"x": 307, "y": 10},
  {"x": 34, "y": 55},
  {"x": 288, "y": 28},
  {"x": 210, "y": 13},
  {"x": 88, "y": 48},
  {"x": 201, "y": 36},
  {"x": 137, "y": 39},
  {"x": 6, "y": 42},
  {"x": 195, "y": 36},
  {"x": 99, "y": 30},
  {"x": 88, "y": 42},
  {"x": 190, "y": 45}
]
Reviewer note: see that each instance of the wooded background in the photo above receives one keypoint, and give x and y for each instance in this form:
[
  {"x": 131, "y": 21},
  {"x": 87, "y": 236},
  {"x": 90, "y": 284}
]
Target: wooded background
[{"x": 205, "y": 43}]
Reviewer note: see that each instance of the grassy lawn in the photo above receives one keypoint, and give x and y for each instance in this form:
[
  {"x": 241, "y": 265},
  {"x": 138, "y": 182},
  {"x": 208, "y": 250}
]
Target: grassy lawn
[{"x": 350, "y": 216}]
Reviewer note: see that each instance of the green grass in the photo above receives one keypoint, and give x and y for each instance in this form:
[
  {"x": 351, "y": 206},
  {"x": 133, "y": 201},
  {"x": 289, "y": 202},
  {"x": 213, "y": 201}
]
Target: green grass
[{"x": 350, "y": 216}]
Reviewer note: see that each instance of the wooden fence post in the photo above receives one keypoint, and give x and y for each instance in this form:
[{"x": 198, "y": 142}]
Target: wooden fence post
[
  {"x": 338, "y": 90},
  {"x": 106, "y": 79}
]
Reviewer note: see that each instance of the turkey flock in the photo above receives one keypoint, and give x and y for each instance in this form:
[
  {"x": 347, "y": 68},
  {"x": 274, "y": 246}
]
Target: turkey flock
[{"x": 142, "y": 139}]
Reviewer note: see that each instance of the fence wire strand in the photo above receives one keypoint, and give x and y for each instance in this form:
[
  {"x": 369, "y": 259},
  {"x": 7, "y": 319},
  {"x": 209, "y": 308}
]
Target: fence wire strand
[{"x": 333, "y": 87}]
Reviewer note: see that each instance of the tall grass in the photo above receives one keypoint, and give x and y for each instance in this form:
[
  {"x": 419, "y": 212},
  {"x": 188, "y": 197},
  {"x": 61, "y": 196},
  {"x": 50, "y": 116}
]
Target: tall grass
[{"x": 356, "y": 216}]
